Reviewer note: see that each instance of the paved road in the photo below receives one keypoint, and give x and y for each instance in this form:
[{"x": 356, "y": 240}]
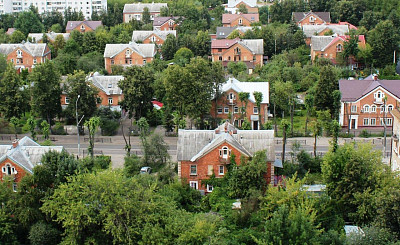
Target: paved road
[{"x": 114, "y": 146}]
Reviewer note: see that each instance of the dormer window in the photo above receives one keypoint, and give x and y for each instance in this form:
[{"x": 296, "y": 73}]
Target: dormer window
[
  {"x": 339, "y": 48},
  {"x": 240, "y": 21},
  {"x": 82, "y": 27},
  {"x": 8, "y": 169},
  {"x": 19, "y": 52},
  {"x": 224, "y": 152}
]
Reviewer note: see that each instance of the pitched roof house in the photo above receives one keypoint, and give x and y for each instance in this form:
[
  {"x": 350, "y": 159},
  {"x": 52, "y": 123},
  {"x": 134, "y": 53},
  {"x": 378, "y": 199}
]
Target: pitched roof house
[
  {"x": 25, "y": 55},
  {"x": 250, "y": 51},
  {"x": 233, "y": 6},
  {"x": 202, "y": 153},
  {"x": 83, "y": 25},
  {"x": 330, "y": 46},
  {"x": 128, "y": 54},
  {"x": 341, "y": 29},
  {"x": 311, "y": 18},
  {"x": 135, "y": 10},
  {"x": 51, "y": 36},
  {"x": 156, "y": 36},
  {"x": 223, "y": 32},
  {"x": 363, "y": 104},
  {"x": 21, "y": 157},
  {"x": 228, "y": 105},
  {"x": 166, "y": 23},
  {"x": 229, "y": 20}
]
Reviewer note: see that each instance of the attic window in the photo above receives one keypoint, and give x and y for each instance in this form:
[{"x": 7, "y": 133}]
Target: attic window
[
  {"x": 240, "y": 21},
  {"x": 127, "y": 52},
  {"x": 8, "y": 169},
  {"x": 312, "y": 19},
  {"x": 82, "y": 27},
  {"x": 224, "y": 152},
  {"x": 19, "y": 52},
  {"x": 339, "y": 48}
]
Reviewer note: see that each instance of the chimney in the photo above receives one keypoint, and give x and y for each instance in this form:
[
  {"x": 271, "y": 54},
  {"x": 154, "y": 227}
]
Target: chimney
[
  {"x": 375, "y": 77},
  {"x": 15, "y": 143}
]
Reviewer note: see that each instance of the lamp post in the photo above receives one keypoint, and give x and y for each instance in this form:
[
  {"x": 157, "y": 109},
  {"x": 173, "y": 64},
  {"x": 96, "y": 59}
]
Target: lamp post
[{"x": 77, "y": 123}]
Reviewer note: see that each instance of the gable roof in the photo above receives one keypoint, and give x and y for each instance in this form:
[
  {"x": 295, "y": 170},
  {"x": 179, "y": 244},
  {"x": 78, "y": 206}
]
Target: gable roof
[
  {"x": 311, "y": 30},
  {"x": 107, "y": 84},
  {"x": 321, "y": 43},
  {"x": 27, "y": 154},
  {"x": 139, "y": 7},
  {"x": 193, "y": 144},
  {"x": 256, "y": 46},
  {"x": 159, "y": 21},
  {"x": 37, "y": 37},
  {"x": 34, "y": 49},
  {"x": 249, "y": 87},
  {"x": 223, "y": 32},
  {"x": 233, "y": 3},
  {"x": 142, "y": 35},
  {"x": 299, "y": 16},
  {"x": 93, "y": 24},
  {"x": 353, "y": 90},
  {"x": 228, "y": 18},
  {"x": 145, "y": 50}
]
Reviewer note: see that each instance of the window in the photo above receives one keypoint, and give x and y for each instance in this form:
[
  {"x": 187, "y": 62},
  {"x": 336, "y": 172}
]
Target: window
[
  {"x": 339, "y": 48},
  {"x": 193, "y": 169},
  {"x": 82, "y": 27},
  {"x": 236, "y": 109},
  {"x": 353, "y": 108},
  {"x": 231, "y": 96},
  {"x": 366, "y": 121},
  {"x": 224, "y": 152},
  {"x": 210, "y": 188},
  {"x": 110, "y": 100},
  {"x": 210, "y": 170},
  {"x": 226, "y": 110},
  {"x": 127, "y": 52},
  {"x": 373, "y": 121},
  {"x": 220, "y": 58},
  {"x": 366, "y": 108},
  {"x": 66, "y": 100},
  {"x": 219, "y": 110},
  {"x": 15, "y": 187},
  {"x": 221, "y": 170},
  {"x": 17, "y": 61},
  {"x": 382, "y": 108},
  {"x": 153, "y": 39},
  {"x": 220, "y": 50},
  {"x": 389, "y": 121},
  {"x": 34, "y": 61},
  {"x": 112, "y": 62},
  {"x": 390, "y": 107},
  {"x": 373, "y": 108},
  {"x": 144, "y": 62},
  {"x": 193, "y": 184},
  {"x": 240, "y": 21},
  {"x": 8, "y": 169},
  {"x": 19, "y": 52},
  {"x": 378, "y": 95},
  {"x": 255, "y": 110}
]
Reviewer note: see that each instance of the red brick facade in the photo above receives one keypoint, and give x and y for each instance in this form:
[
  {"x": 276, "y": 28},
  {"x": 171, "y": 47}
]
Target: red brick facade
[
  {"x": 24, "y": 60},
  {"x": 9, "y": 168}
]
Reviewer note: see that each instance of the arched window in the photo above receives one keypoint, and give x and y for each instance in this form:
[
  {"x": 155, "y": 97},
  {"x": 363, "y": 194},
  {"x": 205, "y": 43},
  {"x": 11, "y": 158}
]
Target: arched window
[
  {"x": 366, "y": 108},
  {"x": 339, "y": 48},
  {"x": 127, "y": 52},
  {"x": 390, "y": 107},
  {"x": 224, "y": 152},
  {"x": 373, "y": 108},
  {"x": 8, "y": 169}
]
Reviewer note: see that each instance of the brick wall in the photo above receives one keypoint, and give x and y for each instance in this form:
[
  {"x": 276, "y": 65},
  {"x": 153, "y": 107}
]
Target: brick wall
[
  {"x": 20, "y": 171},
  {"x": 230, "y": 55}
]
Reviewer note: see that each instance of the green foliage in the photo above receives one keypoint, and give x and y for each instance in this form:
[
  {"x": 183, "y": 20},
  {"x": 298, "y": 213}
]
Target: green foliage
[
  {"x": 327, "y": 83},
  {"x": 92, "y": 124},
  {"x": 109, "y": 121},
  {"x": 57, "y": 28},
  {"x": 183, "y": 56},
  {"x": 45, "y": 127},
  {"x": 91, "y": 62},
  {"x": 17, "y": 37},
  {"x": 42, "y": 233},
  {"x": 32, "y": 127},
  {"x": 372, "y": 235},
  {"x": 169, "y": 47},
  {"x": 28, "y": 22},
  {"x": 383, "y": 40},
  {"x": 236, "y": 68}
]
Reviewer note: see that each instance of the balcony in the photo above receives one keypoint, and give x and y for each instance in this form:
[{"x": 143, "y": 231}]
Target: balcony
[
  {"x": 224, "y": 160},
  {"x": 231, "y": 102},
  {"x": 378, "y": 101},
  {"x": 19, "y": 56}
]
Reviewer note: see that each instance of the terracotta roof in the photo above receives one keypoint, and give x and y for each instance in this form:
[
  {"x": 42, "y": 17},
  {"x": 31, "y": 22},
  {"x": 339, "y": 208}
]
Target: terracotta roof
[
  {"x": 91, "y": 23},
  {"x": 228, "y": 18},
  {"x": 299, "y": 16},
  {"x": 353, "y": 90}
]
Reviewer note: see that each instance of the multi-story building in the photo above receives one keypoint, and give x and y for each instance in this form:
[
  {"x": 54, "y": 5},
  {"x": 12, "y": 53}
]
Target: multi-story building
[
  {"x": 340, "y": 29},
  {"x": 233, "y": 6},
  {"x": 128, "y": 54},
  {"x": 156, "y": 36},
  {"x": 86, "y": 7},
  {"x": 224, "y": 32},
  {"x": 26, "y": 55},
  {"x": 229, "y": 20},
  {"x": 311, "y": 18},
  {"x": 83, "y": 25},
  {"x": 51, "y": 37},
  {"x": 367, "y": 103},
  {"x": 19, "y": 159},
  {"x": 249, "y": 51},
  {"x": 134, "y": 11},
  {"x": 229, "y": 106},
  {"x": 204, "y": 153},
  {"x": 166, "y": 23}
]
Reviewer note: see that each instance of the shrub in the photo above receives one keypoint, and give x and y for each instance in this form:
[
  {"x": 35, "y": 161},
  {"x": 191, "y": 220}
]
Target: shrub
[
  {"x": 364, "y": 134},
  {"x": 58, "y": 129},
  {"x": 43, "y": 233}
]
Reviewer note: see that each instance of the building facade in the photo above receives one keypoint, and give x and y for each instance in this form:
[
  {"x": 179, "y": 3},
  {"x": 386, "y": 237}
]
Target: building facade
[
  {"x": 126, "y": 55},
  {"x": 229, "y": 107},
  {"x": 43, "y": 6},
  {"x": 311, "y": 18},
  {"x": 166, "y": 23},
  {"x": 203, "y": 153},
  {"x": 340, "y": 29},
  {"x": 134, "y": 11},
  {"x": 155, "y": 36},
  {"x": 229, "y": 20},
  {"x": 26, "y": 55},
  {"x": 82, "y": 26},
  {"x": 368, "y": 103},
  {"x": 249, "y": 51}
]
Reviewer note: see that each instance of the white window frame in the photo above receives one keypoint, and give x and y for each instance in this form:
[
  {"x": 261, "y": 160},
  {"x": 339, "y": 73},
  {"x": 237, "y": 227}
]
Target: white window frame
[
  {"x": 354, "y": 108},
  {"x": 224, "y": 152},
  {"x": 220, "y": 110},
  {"x": 390, "y": 107},
  {"x": 110, "y": 100},
  {"x": 221, "y": 170},
  {"x": 382, "y": 108},
  {"x": 67, "y": 100},
  {"x": 194, "y": 184},
  {"x": 34, "y": 61},
  {"x": 193, "y": 166},
  {"x": 226, "y": 110},
  {"x": 255, "y": 110},
  {"x": 373, "y": 122},
  {"x": 366, "y": 108},
  {"x": 210, "y": 188},
  {"x": 366, "y": 121},
  {"x": 389, "y": 121},
  {"x": 373, "y": 108},
  {"x": 236, "y": 109}
]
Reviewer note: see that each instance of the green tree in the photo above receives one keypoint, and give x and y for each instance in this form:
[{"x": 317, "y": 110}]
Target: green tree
[
  {"x": 384, "y": 41},
  {"x": 57, "y": 28},
  {"x": 258, "y": 96},
  {"x": 32, "y": 127},
  {"x": 183, "y": 56},
  {"x": 89, "y": 42},
  {"x": 66, "y": 62},
  {"x": 59, "y": 43},
  {"x": 316, "y": 129},
  {"x": 242, "y": 9},
  {"x": 91, "y": 62},
  {"x": 202, "y": 44},
  {"x": 15, "y": 121},
  {"x": 14, "y": 101},
  {"x": 235, "y": 68},
  {"x": 46, "y": 91},
  {"x": 17, "y": 37},
  {"x": 45, "y": 129},
  {"x": 169, "y": 47},
  {"x": 92, "y": 124},
  {"x": 244, "y": 99},
  {"x": 43, "y": 233},
  {"x": 365, "y": 55},
  {"x": 310, "y": 109},
  {"x": 146, "y": 15},
  {"x": 327, "y": 83},
  {"x": 285, "y": 127},
  {"x": 28, "y": 22},
  {"x": 138, "y": 91}
]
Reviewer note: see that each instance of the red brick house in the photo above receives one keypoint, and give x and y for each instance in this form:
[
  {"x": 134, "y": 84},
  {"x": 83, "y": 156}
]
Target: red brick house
[
  {"x": 202, "y": 153},
  {"x": 340, "y": 29},
  {"x": 134, "y": 11},
  {"x": 311, "y": 18},
  {"x": 26, "y": 55},
  {"x": 233, "y": 5},
  {"x": 166, "y": 23},
  {"x": 19, "y": 159},
  {"x": 228, "y": 105},
  {"x": 155, "y": 36},
  {"x": 363, "y": 102},
  {"x": 250, "y": 51},
  {"x": 83, "y": 25},
  {"x": 329, "y": 47},
  {"x": 128, "y": 54},
  {"x": 51, "y": 37},
  {"x": 229, "y": 20}
]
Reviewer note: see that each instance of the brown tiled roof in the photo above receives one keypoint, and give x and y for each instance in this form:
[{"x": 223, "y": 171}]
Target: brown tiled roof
[
  {"x": 353, "y": 90},
  {"x": 298, "y": 16},
  {"x": 228, "y": 18},
  {"x": 91, "y": 23}
]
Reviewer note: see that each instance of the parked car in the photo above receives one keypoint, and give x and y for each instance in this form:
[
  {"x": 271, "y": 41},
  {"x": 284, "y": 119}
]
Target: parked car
[{"x": 145, "y": 170}]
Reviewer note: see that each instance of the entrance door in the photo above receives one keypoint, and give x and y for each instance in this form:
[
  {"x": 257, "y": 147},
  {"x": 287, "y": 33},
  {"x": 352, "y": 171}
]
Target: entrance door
[
  {"x": 255, "y": 125},
  {"x": 353, "y": 124}
]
